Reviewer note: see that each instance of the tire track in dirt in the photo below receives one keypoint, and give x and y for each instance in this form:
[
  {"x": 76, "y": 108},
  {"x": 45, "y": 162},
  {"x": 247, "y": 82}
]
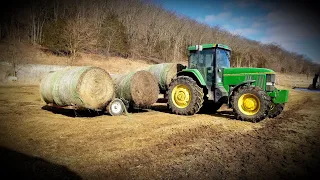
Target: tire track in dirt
[
  {"x": 286, "y": 147},
  {"x": 217, "y": 153}
]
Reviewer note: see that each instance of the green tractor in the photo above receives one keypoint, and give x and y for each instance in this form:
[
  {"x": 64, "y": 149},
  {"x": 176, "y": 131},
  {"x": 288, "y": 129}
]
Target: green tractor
[{"x": 208, "y": 82}]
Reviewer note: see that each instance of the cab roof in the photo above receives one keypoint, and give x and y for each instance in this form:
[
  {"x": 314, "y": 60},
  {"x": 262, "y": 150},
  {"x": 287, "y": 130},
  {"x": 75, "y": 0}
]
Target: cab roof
[{"x": 207, "y": 46}]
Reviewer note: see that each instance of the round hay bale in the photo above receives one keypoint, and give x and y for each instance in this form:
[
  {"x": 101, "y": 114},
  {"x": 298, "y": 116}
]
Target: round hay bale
[
  {"x": 47, "y": 85},
  {"x": 46, "y": 88},
  {"x": 164, "y": 73},
  {"x": 82, "y": 87},
  {"x": 139, "y": 87}
]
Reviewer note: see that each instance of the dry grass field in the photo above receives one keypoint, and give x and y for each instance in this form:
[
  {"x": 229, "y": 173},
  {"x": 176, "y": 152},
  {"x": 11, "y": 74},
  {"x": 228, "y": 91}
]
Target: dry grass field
[{"x": 36, "y": 141}]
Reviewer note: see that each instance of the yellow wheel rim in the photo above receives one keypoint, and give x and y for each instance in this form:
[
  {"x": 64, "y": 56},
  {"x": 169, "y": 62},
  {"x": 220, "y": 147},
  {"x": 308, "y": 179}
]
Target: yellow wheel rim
[
  {"x": 181, "y": 96},
  {"x": 249, "y": 104}
]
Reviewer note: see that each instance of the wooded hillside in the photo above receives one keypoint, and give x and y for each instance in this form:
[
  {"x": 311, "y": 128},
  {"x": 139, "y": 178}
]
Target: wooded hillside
[{"x": 135, "y": 29}]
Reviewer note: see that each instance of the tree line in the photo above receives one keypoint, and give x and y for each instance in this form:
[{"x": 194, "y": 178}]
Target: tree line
[{"x": 136, "y": 29}]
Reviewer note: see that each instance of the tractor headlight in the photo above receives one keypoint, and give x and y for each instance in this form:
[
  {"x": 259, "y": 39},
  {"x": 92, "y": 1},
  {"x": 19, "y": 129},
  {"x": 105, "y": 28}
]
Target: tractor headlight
[{"x": 270, "y": 81}]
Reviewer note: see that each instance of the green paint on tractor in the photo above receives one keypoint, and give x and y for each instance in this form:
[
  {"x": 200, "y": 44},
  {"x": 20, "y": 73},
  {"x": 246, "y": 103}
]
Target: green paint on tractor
[
  {"x": 251, "y": 92},
  {"x": 195, "y": 73}
]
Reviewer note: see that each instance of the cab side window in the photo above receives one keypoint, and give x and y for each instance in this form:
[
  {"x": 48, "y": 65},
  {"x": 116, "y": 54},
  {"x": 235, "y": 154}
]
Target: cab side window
[{"x": 194, "y": 56}]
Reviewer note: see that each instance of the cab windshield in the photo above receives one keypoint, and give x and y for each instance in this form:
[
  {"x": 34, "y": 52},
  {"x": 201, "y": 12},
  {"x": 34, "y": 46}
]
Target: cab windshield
[{"x": 222, "y": 58}]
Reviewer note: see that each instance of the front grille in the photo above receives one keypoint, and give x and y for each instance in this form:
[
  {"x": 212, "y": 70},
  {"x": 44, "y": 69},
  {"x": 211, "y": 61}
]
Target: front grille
[{"x": 259, "y": 80}]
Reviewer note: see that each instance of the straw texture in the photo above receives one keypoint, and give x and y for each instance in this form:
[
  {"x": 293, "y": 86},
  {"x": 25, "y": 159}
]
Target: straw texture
[
  {"x": 164, "y": 73},
  {"x": 83, "y": 87},
  {"x": 140, "y": 87}
]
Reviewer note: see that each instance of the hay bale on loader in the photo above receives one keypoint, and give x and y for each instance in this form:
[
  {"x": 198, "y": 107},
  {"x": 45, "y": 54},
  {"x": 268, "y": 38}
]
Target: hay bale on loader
[
  {"x": 140, "y": 88},
  {"x": 164, "y": 73},
  {"x": 84, "y": 87}
]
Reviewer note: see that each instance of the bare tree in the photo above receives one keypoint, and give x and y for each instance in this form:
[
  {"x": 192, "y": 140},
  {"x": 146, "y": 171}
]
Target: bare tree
[{"x": 138, "y": 29}]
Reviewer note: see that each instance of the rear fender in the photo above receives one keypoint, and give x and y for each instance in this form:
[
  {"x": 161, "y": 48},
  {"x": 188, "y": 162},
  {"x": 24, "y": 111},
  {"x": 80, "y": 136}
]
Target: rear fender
[{"x": 194, "y": 74}]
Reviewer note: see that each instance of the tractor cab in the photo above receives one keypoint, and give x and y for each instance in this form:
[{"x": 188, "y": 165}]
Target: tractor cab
[{"x": 209, "y": 60}]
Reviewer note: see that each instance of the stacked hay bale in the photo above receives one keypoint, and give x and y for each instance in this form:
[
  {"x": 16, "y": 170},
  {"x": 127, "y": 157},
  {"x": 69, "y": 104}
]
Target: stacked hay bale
[
  {"x": 139, "y": 88},
  {"x": 82, "y": 87},
  {"x": 164, "y": 73}
]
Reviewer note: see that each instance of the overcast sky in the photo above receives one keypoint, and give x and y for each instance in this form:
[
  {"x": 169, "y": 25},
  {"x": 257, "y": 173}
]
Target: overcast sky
[{"x": 292, "y": 24}]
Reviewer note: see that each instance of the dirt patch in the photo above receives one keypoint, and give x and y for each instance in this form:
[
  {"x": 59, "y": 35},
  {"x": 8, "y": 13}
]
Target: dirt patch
[{"x": 154, "y": 144}]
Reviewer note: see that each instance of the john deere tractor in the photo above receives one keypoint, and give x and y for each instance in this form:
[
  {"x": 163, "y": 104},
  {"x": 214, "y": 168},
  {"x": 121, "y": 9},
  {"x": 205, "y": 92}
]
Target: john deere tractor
[{"x": 208, "y": 82}]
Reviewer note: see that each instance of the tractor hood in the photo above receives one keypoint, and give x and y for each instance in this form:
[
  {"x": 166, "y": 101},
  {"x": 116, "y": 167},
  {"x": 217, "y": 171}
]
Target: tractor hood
[{"x": 248, "y": 71}]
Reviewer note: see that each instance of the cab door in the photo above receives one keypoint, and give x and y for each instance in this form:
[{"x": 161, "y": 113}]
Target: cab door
[
  {"x": 206, "y": 59},
  {"x": 203, "y": 62}
]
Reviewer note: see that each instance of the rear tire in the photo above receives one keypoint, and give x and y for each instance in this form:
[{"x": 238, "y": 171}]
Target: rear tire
[
  {"x": 250, "y": 104},
  {"x": 185, "y": 97},
  {"x": 275, "y": 110}
]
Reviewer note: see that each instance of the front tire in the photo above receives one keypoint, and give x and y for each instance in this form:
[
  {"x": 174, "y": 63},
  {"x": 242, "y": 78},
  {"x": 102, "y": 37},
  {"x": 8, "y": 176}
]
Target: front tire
[
  {"x": 185, "y": 97},
  {"x": 275, "y": 110},
  {"x": 250, "y": 104}
]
